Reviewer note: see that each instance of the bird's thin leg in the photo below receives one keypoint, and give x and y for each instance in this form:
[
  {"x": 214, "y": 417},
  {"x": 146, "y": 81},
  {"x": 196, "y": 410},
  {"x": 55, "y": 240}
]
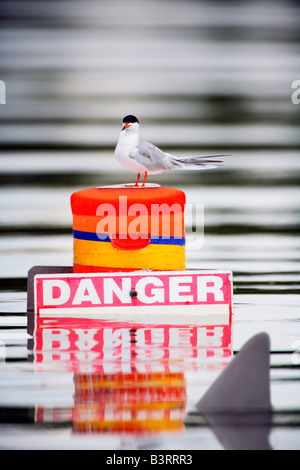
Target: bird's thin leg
[
  {"x": 137, "y": 180},
  {"x": 145, "y": 177}
]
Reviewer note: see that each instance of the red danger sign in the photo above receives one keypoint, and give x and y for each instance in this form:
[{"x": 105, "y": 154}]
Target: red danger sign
[{"x": 185, "y": 294}]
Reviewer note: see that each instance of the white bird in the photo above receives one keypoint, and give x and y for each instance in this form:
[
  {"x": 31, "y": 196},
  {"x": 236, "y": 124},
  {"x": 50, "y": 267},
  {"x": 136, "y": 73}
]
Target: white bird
[{"x": 144, "y": 158}]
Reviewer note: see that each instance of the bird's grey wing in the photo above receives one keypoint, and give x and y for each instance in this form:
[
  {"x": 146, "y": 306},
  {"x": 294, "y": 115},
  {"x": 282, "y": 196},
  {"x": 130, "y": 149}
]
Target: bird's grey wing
[{"x": 152, "y": 157}]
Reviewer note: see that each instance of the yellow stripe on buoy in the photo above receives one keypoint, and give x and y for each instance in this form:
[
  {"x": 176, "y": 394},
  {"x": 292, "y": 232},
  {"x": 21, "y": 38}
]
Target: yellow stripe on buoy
[{"x": 161, "y": 257}]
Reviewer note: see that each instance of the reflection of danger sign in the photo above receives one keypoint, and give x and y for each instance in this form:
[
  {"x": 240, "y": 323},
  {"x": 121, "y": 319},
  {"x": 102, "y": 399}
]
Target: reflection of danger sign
[
  {"x": 184, "y": 293},
  {"x": 112, "y": 346}
]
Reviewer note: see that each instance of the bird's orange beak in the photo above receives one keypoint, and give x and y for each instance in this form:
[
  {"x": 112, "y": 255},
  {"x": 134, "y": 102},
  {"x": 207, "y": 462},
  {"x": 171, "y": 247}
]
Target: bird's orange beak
[{"x": 126, "y": 126}]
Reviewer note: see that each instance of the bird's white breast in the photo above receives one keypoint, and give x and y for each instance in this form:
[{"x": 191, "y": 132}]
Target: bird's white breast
[{"x": 127, "y": 147}]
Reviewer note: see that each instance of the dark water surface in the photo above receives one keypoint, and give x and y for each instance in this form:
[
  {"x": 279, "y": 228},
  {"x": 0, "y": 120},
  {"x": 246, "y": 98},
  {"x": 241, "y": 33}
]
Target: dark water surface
[{"x": 202, "y": 78}]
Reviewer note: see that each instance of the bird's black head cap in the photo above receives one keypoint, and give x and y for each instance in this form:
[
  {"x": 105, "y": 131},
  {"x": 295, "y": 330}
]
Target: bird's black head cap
[{"x": 130, "y": 119}]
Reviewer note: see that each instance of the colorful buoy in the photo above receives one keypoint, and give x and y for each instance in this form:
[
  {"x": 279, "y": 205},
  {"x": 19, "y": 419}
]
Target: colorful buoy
[{"x": 125, "y": 228}]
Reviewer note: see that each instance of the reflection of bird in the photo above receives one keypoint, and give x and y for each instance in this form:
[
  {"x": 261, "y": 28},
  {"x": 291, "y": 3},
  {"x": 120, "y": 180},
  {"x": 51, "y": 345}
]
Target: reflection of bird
[{"x": 144, "y": 158}]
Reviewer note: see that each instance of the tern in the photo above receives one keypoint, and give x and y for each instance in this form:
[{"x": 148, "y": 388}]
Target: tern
[{"x": 144, "y": 158}]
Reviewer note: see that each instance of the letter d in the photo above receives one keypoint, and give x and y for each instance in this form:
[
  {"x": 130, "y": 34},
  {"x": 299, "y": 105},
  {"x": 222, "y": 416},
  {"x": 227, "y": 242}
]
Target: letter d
[{"x": 48, "y": 292}]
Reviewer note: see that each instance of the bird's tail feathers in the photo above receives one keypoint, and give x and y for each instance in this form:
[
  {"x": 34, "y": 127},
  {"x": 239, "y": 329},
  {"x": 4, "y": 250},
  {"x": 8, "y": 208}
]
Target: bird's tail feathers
[{"x": 199, "y": 163}]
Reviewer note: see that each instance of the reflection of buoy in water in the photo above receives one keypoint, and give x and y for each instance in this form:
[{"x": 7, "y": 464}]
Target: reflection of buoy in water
[
  {"x": 130, "y": 403},
  {"x": 121, "y": 228}
]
